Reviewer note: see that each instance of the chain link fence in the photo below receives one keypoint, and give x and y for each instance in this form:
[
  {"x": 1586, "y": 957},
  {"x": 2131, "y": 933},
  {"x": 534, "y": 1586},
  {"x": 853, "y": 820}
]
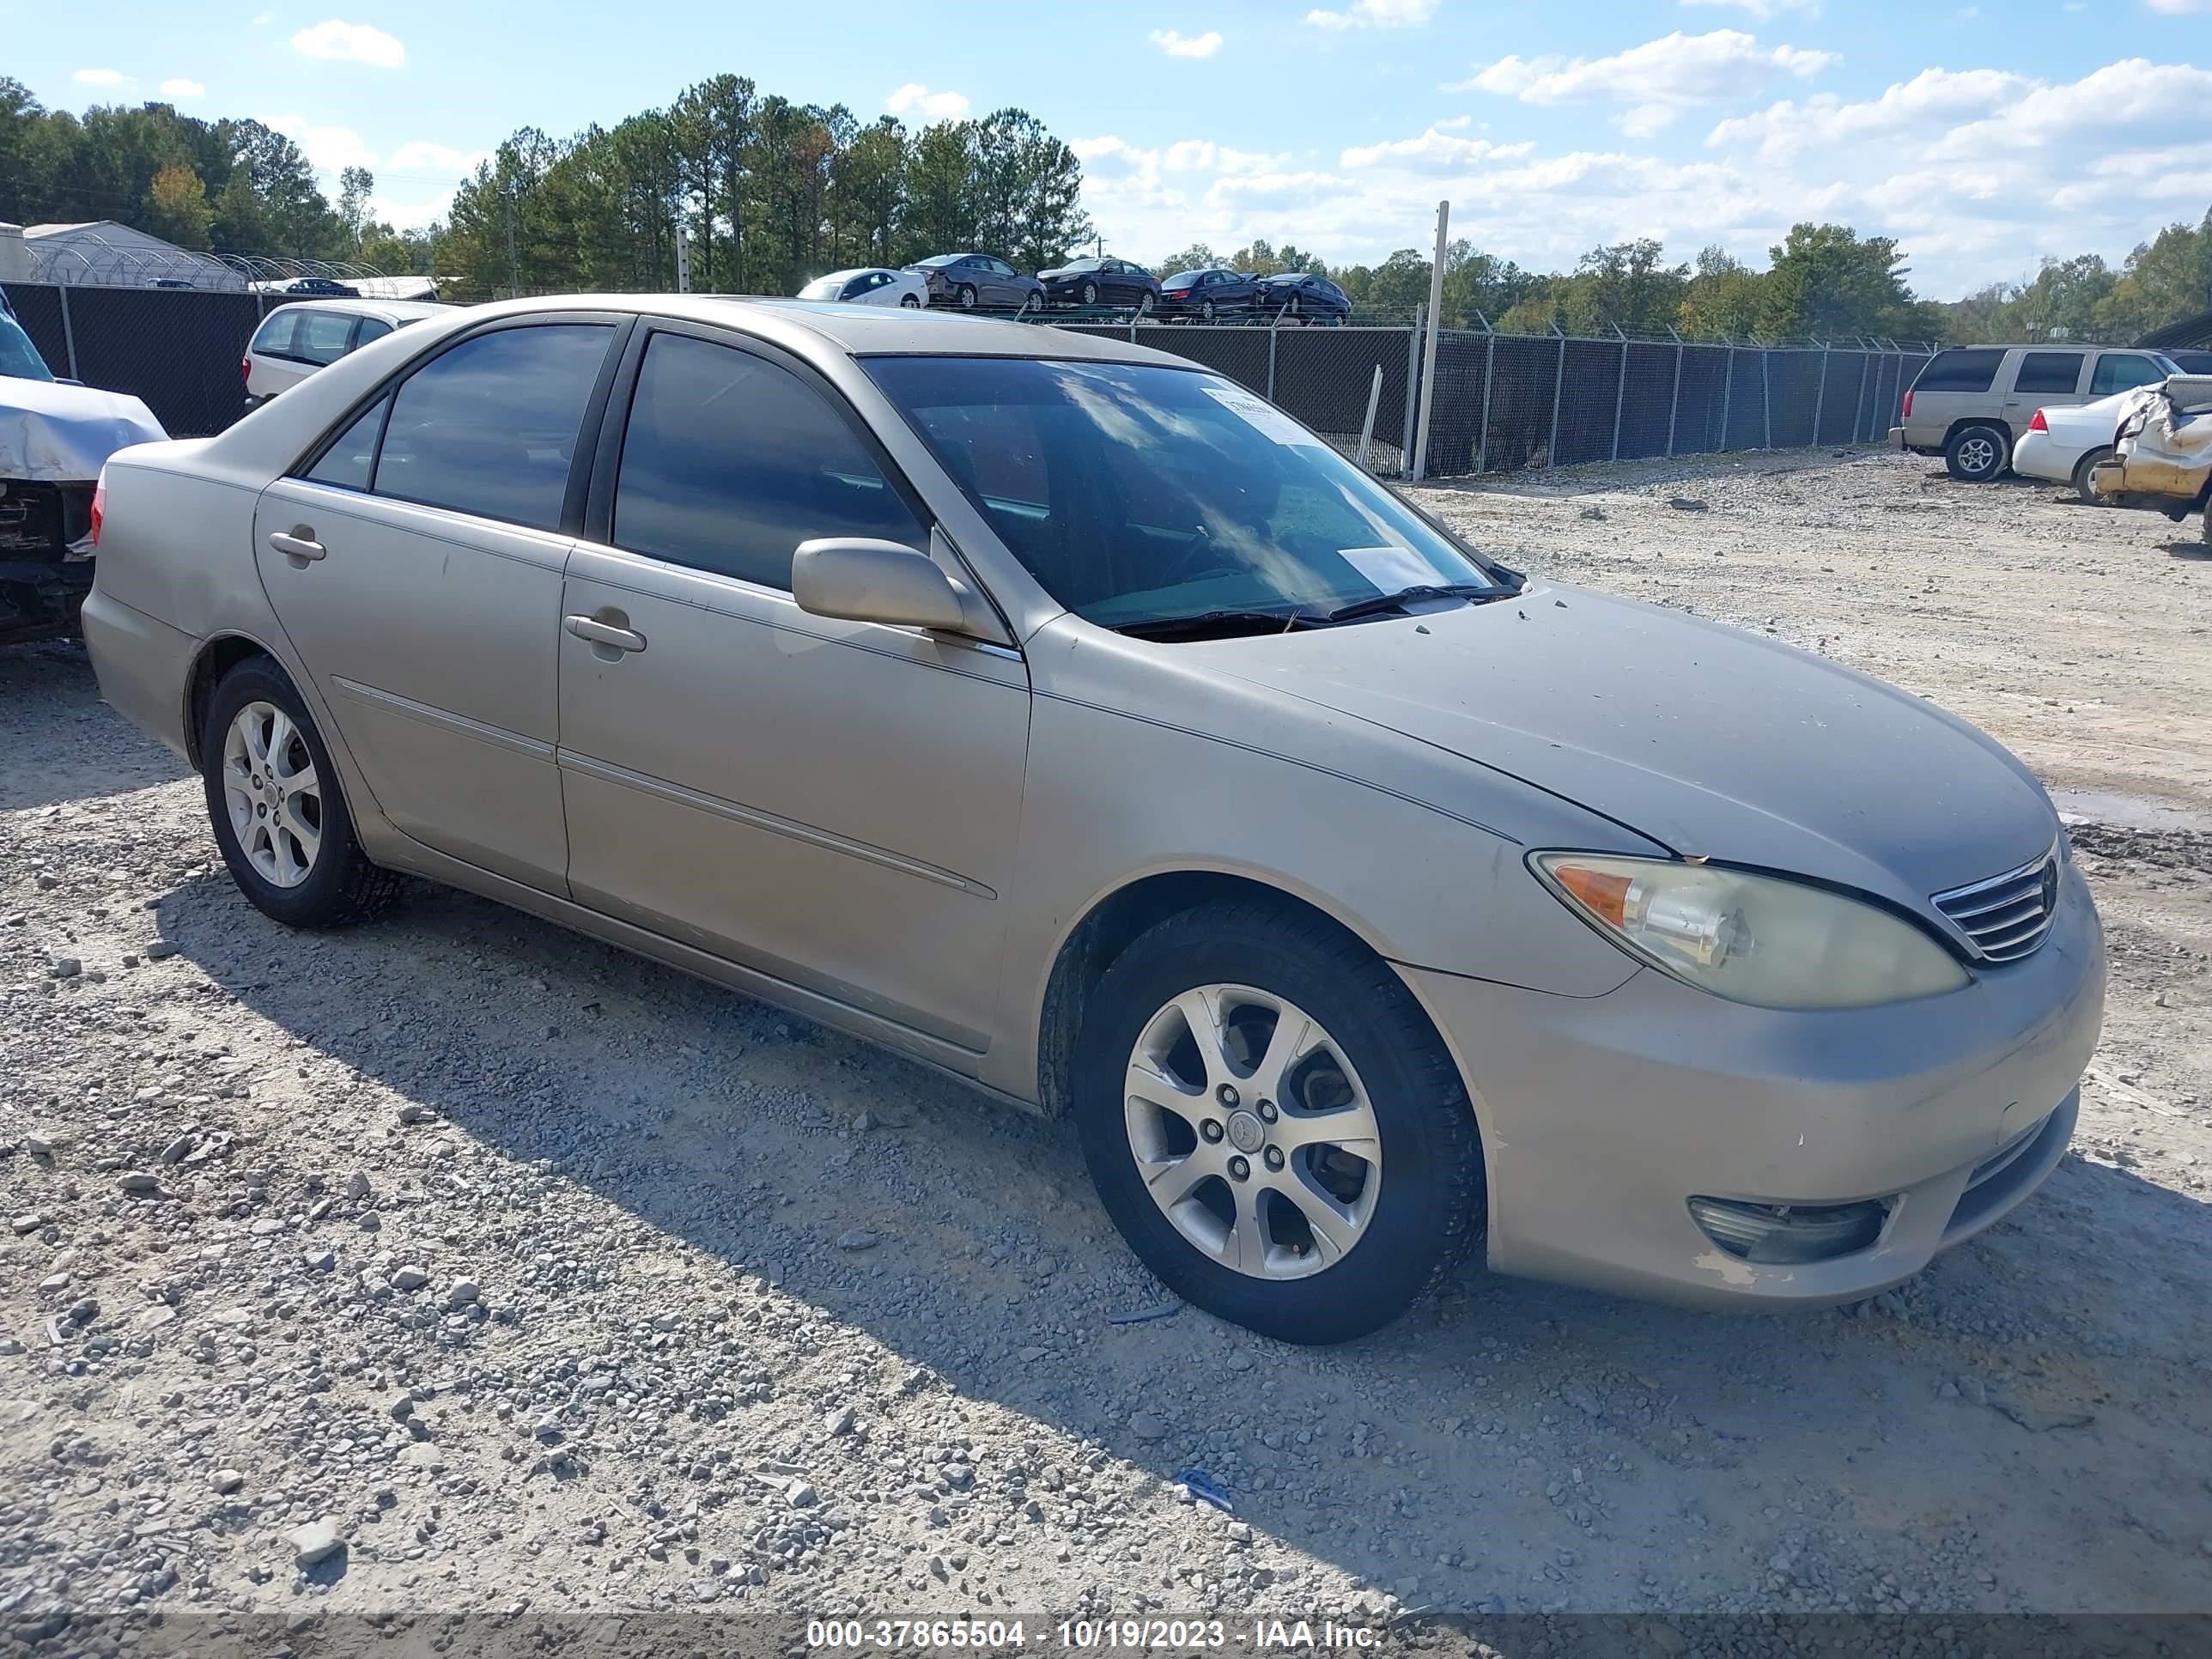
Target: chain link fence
[{"x": 1502, "y": 403}]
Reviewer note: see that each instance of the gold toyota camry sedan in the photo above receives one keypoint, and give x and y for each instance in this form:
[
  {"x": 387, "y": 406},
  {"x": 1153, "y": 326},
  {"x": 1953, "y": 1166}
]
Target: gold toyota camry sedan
[{"x": 1065, "y": 717}]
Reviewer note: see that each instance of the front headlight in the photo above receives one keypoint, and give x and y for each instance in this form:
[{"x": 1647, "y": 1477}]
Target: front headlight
[{"x": 1757, "y": 939}]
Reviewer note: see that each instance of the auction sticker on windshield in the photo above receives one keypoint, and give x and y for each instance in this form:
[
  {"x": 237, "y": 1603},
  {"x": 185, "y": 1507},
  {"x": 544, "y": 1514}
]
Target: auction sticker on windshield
[{"x": 1259, "y": 412}]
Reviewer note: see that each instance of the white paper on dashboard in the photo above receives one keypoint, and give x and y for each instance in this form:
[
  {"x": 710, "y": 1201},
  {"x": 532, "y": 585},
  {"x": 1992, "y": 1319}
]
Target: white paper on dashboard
[
  {"x": 1259, "y": 412},
  {"x": 1388, "y": 568}
]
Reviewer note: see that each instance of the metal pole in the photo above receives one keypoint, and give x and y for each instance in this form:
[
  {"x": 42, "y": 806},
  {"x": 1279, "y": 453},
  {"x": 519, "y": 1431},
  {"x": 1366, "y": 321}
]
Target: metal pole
[
  {"x": 1858, "y": 403},
  {"x": 1765, "y": 398},
  {"x": 683, "y": 258},
  {"x": 1559, "y": 385},
  {"x": 1429, "y": 355},
  {"x": 69, "y": 331},
  {"x": 1674, "y": 407},
  {"x": 1620, "y": 392},
  {"x": 1728, "y": 397},
  {"x": 1272, "y": 331},
  {"x": 1412, "y": 392},
  {"x": 1489, "y": 373},
  {"x": 1820, "y": 397},
  {"x": 1367, "y": 427},
  {"x": 513, "y": 269}
]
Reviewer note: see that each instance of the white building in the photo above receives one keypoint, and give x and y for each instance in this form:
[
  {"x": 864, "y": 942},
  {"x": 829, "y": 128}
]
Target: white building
[{"x": 116, "y": 256}]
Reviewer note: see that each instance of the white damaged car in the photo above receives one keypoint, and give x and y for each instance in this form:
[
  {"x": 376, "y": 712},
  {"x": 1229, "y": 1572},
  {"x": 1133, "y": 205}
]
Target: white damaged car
[{"x": 55, "y": 436}]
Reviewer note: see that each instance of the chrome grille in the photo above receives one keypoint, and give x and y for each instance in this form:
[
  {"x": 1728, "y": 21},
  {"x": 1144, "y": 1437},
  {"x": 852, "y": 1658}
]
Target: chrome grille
[{"x": 2006, "y": 917}]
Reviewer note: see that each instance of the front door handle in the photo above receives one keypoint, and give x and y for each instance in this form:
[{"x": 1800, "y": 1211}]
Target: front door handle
[
  {"x": 599, "y": 632},
  {"x": 298, "y": 544}
]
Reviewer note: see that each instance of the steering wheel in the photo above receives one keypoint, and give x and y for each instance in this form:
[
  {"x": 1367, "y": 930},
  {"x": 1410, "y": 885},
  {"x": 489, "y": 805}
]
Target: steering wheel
[{"x": 1191, "y": 563}]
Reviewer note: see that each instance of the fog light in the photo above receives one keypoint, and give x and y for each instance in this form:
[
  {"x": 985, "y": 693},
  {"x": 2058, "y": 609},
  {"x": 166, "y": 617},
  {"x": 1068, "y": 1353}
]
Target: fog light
[{"x": 1790, "y": 1233}]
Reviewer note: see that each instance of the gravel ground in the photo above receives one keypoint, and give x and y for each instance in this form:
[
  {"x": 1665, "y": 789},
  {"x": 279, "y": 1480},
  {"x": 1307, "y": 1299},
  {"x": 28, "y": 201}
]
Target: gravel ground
[{"x": 457, "y": 1261}]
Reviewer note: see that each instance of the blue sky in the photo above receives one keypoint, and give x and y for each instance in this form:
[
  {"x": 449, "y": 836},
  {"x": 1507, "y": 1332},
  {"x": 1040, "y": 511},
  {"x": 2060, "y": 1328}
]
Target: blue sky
[{"x": 1982, "y": 137}]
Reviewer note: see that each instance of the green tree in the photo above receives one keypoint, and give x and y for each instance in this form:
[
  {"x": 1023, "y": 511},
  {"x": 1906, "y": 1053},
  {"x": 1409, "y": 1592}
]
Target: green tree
[
  {"x": 2165, "y": 280},
  {"x": 1827, "y": 282},
  {"x": 1723, "y": 300},
  {"x": 177, "y": 207}
]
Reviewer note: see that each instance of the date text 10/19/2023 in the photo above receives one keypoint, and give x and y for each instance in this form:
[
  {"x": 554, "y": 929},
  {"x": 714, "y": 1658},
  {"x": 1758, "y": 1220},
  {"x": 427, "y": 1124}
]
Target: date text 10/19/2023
[{"x": 1074, "y": 1636}]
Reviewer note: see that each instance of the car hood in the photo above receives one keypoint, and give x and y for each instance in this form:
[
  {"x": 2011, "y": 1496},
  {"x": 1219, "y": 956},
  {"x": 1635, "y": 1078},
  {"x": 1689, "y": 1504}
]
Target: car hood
[
  {"x": 1711, "y": 741},
  {"x": 64, "y": 433}
]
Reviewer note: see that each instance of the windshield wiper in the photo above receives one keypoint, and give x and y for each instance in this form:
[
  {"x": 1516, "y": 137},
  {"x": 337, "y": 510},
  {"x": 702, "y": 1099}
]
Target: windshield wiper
[
  {"x": 1201, "y": 622},
  {"x": 1381, "y": 602}
]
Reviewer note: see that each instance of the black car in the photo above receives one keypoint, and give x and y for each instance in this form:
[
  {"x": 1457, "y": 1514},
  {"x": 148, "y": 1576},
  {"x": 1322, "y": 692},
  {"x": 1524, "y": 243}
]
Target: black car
[
  {"x": 1102, "y": 281},
  {"x": 321, "y": 288},
  {"x": 970, "y": 281},
  {"x": 1301, "y": 294},
  {"x": 1206, "y": 294}
]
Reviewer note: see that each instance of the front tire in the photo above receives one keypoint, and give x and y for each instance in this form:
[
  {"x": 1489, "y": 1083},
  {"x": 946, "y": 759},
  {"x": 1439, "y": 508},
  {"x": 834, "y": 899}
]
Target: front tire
[
  {"x": 278, "y": 811},
  {"x": 1274, "y": 1126},
  {"x": 967, "y": 297},
  {"x": 1977, "y": 454},
  {"x": 2083, "y": 486},
  {"x": 1091, "y": 294}
]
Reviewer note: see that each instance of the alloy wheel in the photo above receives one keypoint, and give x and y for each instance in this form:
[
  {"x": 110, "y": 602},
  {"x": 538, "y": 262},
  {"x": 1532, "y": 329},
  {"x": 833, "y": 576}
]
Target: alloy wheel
[
  {"x": 1978, "y": 455},
  {"x": 273, "y": 794},
  {"x": 1252, "y": 1131}
]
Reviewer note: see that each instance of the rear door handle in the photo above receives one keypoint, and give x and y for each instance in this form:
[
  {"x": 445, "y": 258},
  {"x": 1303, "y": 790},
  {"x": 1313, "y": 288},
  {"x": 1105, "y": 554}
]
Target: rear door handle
[
  {"x": 599, "y": 632},
  {"x": 298, "y": 544}
]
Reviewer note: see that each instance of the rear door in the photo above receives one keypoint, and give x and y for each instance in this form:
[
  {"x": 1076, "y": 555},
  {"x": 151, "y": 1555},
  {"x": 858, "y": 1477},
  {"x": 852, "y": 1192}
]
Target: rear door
[
  {"x": 833, "y": 803},
  {"x": 415, "y": 564},
  {"x": 2044, "y": 379},
  {"x": 1956, "y": 385}
]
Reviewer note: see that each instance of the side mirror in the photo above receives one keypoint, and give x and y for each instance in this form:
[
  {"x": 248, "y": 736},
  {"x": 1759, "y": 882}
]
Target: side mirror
[{"x": 865, "y": 580}]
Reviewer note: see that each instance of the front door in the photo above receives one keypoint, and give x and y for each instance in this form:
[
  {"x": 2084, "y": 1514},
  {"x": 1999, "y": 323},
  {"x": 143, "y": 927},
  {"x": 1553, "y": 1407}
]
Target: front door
[
  {"x": 833, "y": 803},
  {"x": 416, "y": 567}
]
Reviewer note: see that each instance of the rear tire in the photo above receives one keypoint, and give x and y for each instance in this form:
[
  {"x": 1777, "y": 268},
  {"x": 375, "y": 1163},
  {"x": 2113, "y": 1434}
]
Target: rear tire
[
  {"x": 1370, "y": 1070},
  {"x": 967, "y": 297},
  {"x": 321, "y": 879},
  {"x": 909, "y": 302},
  {"x": 2083, "y": 468},
  {"x": 1977, "y": 454}
]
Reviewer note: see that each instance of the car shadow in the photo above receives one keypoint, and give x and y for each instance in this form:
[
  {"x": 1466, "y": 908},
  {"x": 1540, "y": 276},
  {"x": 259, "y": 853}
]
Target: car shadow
[
  {"x": 1458, "y": 1456},
  {"x": 46, "y": 765}
]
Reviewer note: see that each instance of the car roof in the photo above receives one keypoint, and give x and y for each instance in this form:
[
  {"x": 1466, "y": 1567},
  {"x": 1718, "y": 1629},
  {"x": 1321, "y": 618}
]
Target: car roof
[{"x": 392, "y": 311}]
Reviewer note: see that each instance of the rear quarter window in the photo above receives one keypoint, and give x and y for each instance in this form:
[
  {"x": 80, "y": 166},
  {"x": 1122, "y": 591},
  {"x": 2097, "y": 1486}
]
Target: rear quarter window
[
  {"x": 2048, "y": 371},
  {"x": 1960, "y": 371}
]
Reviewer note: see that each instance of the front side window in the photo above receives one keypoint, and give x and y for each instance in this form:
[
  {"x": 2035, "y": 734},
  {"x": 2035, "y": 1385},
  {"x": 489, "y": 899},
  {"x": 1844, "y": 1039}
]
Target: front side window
[
  {"x": 730, "y": 461},
  {"x": 1959, "y": 371},
  {"x": 1138, "y": 496},
  {"x": 2048, "y": 371},
  {"x": 490, "y": 427},
  {"x": 2123, "y": 371}
]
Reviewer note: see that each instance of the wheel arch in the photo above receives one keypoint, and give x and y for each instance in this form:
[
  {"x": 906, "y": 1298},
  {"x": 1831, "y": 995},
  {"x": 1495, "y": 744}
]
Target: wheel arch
[
  {"x": 1113, "y": 921},
  {"x": 1996, "y": 423},
  {"x": 218, "y": 654}
]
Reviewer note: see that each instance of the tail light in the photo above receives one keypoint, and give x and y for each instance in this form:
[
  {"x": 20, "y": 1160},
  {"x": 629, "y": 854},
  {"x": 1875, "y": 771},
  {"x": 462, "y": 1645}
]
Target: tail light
[
  {"x": 2039, "y": 424},
  {"x": 98, "y": 505},
  {"x": 245, "y": 370},
  {"x": 1908, "y": 403}
]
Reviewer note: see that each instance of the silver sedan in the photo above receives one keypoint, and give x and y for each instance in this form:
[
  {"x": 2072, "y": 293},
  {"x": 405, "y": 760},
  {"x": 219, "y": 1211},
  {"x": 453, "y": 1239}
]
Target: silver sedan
[{"x": 1068, "y": 719}]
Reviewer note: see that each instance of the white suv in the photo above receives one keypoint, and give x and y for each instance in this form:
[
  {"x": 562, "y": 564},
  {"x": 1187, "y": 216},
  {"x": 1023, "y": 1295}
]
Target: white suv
[{"x": 294, "y": 341}]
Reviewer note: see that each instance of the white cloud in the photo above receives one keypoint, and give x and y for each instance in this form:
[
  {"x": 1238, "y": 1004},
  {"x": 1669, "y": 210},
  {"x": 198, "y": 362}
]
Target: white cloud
[
  {"x": 327, "y": 148},
  {"x": 1177, "y": 45},
  {"x": 916, "y": 98},
  {"x": 420, "y": 156},
  {"x": 1375, "y": 13},
  {"x": 1672, "y": 71},
  {"x": 1764, "y": 11},
  {"x": 179, "y": 86},
  {"x": 1645, "y": 120},
  {"x": 1979, "y": 172},
  {"x": 2180, "y": 8},
  {"x": 100, "y": 77},
  {"x": 355, "y": 43}
]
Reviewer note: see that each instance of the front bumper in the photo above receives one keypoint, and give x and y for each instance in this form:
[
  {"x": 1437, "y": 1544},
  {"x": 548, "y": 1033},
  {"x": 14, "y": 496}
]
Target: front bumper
[{"x": 1602, "y": 1116}]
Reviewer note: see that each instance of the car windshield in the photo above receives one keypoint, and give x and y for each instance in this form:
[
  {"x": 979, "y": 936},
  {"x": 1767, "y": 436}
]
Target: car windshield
[
  {"x": 823, "y": 288},
  {"x": 937, "y": 261},
  {"x": 1138, "y": 495},
  {"x": 1084, "y": 264},
  {"x": 18, "y": 356},
  {"x": 1183, "y": 278}
]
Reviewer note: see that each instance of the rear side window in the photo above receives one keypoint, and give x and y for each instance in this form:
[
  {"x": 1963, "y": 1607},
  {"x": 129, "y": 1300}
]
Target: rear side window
[
  {"x": 371, "y": 328},
  {"x": 730, "y": 461},
  {"x": 1959, "y": 371},
  {"x": 274, "y": 337},
  {"x": 2048, "y": 371},
  {"x": 2123, "y": 371},
  {"x": 325, "y": 337},
  {"x": 489, "y": 427},
  {"x": 351, "y": 463}
]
